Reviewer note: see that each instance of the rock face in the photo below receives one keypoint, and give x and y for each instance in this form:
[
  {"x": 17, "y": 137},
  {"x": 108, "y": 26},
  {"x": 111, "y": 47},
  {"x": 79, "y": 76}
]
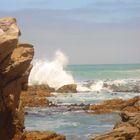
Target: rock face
[
  {"x": 36, "y": 95},
  {"x": 127, "y": 129},
  {"x": 15, "y": 67},
  {"x": 36, "y": 135},
  {"x": 71, "y": 88},
  {"x": 131, "y": 105}
]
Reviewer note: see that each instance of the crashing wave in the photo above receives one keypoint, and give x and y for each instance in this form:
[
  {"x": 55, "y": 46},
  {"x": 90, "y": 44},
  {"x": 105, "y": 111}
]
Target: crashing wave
[
  {"x": 110, "y": 85},
  {"x": 51, "y": 72}
]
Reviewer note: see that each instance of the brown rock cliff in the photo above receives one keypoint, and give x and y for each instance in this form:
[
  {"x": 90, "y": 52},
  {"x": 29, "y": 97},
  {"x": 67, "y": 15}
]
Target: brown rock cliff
[{"x": 15, "y": 67}]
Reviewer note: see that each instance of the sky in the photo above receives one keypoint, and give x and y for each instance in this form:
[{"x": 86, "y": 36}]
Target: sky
[{"x": 87, "y": 31}]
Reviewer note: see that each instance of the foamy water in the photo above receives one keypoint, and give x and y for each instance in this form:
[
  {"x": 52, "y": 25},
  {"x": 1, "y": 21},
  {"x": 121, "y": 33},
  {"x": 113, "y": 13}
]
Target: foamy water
[
  {"x": 51, "y": 72},
  {"x": 94, "y": 85},
  {"x": 55, "y": 73}
]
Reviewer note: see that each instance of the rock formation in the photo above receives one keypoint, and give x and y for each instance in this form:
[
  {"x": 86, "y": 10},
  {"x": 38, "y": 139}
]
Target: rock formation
[
  {"x": 15, "y": 59},
  {"x": 127, "y": 129},
  {"x": 131, "y": 105},
  {"x": 36, "y": 135},
  {"x": 129, "y": 86},
  {"x": 71, "y": 88},
  {"x": 36, "y": 95},
  {"x": 15, "y": 67}
]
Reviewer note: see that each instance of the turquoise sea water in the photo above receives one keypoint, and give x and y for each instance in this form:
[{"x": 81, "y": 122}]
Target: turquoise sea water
[
  {"x": 78, "y": 125},
  {"x": 104, "y": 71}
]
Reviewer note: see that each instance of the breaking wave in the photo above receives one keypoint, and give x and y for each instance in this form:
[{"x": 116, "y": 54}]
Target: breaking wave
[
  {"x": 51, "y": 72},
  {"x": 123, "y": 85}
]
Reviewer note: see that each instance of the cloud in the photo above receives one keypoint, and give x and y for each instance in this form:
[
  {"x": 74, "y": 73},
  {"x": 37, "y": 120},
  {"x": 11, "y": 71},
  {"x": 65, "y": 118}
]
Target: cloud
[{"x": 97, "y": 11}]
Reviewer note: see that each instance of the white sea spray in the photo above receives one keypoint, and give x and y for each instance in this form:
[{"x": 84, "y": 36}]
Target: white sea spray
[{"x": 51, "y": 72}]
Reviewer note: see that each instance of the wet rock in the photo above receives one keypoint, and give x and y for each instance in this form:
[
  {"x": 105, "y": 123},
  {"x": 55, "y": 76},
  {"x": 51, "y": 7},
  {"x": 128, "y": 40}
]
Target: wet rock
[
  {"x": 35, "y": 96},
  {"x": 71, "y": 88},
  {"x": 36, "y": 135},
  {"x": 127, "y": 129},
  {"x": 129, "y": 86},
  {"x": 131, "y": 105}
]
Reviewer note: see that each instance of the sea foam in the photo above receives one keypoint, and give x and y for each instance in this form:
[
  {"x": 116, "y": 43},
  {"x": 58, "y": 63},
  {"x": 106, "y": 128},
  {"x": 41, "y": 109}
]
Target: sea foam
[{"x": 51, "y": 72}]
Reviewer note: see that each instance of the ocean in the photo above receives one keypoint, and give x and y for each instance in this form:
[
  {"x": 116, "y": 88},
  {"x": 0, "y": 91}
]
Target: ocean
[
  {"x": 104, "y": 71},
  {"x": 91, "y": 81}
]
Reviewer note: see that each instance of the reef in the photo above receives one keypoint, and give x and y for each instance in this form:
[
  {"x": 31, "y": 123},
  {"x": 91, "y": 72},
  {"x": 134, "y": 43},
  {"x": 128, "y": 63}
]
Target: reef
[{"x": 116, "y": 105}]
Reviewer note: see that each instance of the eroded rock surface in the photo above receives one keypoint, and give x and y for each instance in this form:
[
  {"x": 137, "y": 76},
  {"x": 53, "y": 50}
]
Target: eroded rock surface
[
  {"x": 131, "y": 105},
  {"x": 127, "y": 129},
  {"x": 36, "y": 135},
  {"x": 71, "y": 88},
  {"x": 15, "y": 67},
  {"x": 35, "y": 96}
]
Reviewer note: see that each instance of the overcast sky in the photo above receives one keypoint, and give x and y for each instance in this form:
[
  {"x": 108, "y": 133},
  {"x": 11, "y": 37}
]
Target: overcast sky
[{"x": 87, "y": 31}]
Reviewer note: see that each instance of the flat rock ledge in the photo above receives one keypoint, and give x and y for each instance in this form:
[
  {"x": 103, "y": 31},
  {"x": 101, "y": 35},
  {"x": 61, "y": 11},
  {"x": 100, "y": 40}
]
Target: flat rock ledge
[{"x": 36, "y": 135}]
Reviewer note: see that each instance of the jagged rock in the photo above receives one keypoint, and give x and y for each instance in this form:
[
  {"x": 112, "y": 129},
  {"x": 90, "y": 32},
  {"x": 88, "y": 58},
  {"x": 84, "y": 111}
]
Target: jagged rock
[
  {"x": 71, "y": 88},
  {"x": 15, "y": 68},
  {"x": 36, "y": 135},
  {"x": 9, "y": 33},
  {"x": 14, "y": 71},
  {"x": 7, "y": 45},
  {"x": 9, "y": 27},
  {"x": 35, "y": 96},
  {"x": 20, "y": 61},
  {"x": 126, "y": 129},
  {"x": 114, "y": 105},
  {"x": 133, "y": 86}
]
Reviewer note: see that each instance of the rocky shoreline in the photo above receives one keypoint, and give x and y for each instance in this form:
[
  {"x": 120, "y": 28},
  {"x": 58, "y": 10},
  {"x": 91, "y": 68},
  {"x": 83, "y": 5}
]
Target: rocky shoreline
[
  {"x": 127, "y": 129},
  {"x": 35, "y": 96},
  {"x": 15, "y": 59},
  {"x": 117, "y": 105},
  {"x": 15, "y": 67}
]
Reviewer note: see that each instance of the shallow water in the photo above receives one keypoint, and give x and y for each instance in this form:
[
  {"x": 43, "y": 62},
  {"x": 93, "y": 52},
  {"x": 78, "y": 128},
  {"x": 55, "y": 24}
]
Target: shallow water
[
  {"x": 76, "y": 125},
  {"x": 88, "y": 97}
]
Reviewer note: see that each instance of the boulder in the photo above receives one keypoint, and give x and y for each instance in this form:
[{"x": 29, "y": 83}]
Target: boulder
[
  {"x": 36, "y": 135},
  {"x": 8, "y": 26},
  {"x": 71, "y": 88},
  {"x": 9, "y": 34},
  {"x": 127, "y": 129}
]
